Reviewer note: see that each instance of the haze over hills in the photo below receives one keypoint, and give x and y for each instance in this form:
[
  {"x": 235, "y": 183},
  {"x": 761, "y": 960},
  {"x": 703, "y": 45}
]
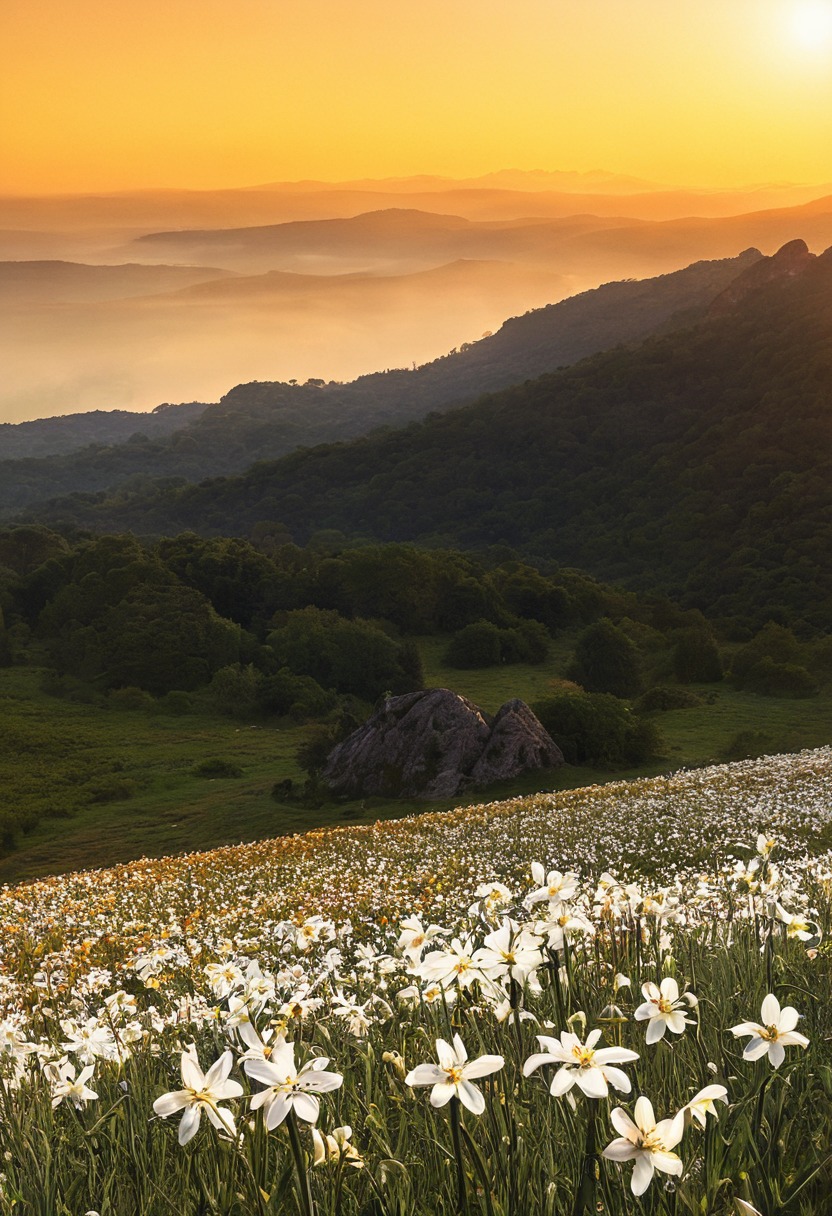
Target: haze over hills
[
  {"x": 105, "y": 333},
  {"x": 261, "y": 420},
  {"x": 699, "y": 462}
]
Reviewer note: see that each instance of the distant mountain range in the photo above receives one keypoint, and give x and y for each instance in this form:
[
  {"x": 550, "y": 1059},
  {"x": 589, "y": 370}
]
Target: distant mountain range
[
  {"x": 263, "y": 420},
  {"x": 698, "y": 462}
]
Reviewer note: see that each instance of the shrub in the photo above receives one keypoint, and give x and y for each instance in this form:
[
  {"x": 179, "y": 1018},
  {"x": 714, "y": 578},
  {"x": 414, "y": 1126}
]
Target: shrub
[
  {"x": 217, "y": 768},
  {"x": 300, "y": 697},
  {"x": 597, "y": 728},
  {"x": 772, "y": 679},
  {"x": 663, "y": 698},
  {"x": 696, "y": 658},
  {"x": 130, "y": 698},
  {"x": 605, "y": 660},
  {"x": 477, "y": 645},
  {"x": 528, "y": 642},
  {"x": 772, "y": 642},
  {"x": 233, "y": 690}
]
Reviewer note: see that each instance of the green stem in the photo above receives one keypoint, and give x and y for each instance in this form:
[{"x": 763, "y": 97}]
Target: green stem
[
  {"x": 307, "y": 1204},
  {"x": 462, "y": 1193}
]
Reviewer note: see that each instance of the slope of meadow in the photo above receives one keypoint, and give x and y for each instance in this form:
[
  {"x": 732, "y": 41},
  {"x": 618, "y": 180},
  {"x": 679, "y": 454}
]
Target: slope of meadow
[{"x": 296, "y": 966}]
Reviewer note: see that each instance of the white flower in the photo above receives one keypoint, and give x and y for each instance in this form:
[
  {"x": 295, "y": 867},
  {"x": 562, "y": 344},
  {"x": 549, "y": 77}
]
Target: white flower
[
  {"x": 592, "y": 1071},
  {"x": 335, "y": 1147},
  {"x": 776, "y": 1032},
  {"x": 554, "y": 886},
  {"x": 415, "y": 937},
  {"x": 661, "y": 1006},
  {"x": 290, "y": 1089},
  {"x": 201, "y": 1092},
  {"x": 453, "y": 1076},
  {"x": 507, "y": 953},
  {"x": 646, "y": 1142},
  {"x": 702, "y": 1104},
  {"x": 455, "y": 964},
  {"x": 64, "y": 1083}
]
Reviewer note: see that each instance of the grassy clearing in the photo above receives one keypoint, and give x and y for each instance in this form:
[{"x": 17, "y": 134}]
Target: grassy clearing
[{"x": 169, "y": 810}]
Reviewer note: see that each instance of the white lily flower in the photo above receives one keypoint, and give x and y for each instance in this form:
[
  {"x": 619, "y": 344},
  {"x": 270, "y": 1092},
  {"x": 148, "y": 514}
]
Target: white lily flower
[
  {"x": 289, "y": 1088},
  {"x": 646, "y": 1142},
  {"x": 662, "y": 1009},
  {"x": 592, "y": 1071},
  {"x": 776, "y": 1032},
  {"x": 414, "y": 937},
  {"x": 555, "y": 887},
  {"x": 64, "y": 1083},
  {"x": 335, "y": 1147},
  {"x": 452, "y": 1077},
  {"x": 507, "y": 953},
  {"x": 202, "y": 1092},
  {"x": 702, "y": 1104}
]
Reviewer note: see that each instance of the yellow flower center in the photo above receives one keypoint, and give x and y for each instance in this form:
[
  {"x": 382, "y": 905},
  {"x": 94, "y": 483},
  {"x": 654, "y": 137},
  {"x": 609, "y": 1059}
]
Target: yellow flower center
[
  {"x": 584, "y": 1056},
  {"x": 771, "y": 1033},
  {"x": 664, "y": 1005},
  {"x": 454, "y": 1074}
]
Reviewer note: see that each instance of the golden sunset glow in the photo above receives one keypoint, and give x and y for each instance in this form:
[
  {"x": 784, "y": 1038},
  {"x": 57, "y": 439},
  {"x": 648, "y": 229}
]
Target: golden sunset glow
[{"x": 105, "y": 94}]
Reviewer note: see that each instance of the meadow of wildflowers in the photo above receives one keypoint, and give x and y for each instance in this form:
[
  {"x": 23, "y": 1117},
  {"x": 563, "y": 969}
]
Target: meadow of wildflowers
[{"x": 614, "y": 999}]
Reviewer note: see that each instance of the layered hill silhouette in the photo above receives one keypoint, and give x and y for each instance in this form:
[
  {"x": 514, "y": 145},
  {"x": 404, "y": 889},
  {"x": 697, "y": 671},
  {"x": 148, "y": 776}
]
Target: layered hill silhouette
[
  {"x": 699, "y": 462},
  {"x": 263, "y": 420},
  {"x": 81, "y": 330}
]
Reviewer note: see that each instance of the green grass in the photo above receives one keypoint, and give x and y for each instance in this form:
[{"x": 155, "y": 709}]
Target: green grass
[{"x": 57, "y": 753}]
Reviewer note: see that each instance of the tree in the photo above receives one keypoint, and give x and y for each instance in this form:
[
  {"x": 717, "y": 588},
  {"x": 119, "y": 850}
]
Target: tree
[
  {"x": 696, "y": 658},
  {"x": 605, "y": 660}
]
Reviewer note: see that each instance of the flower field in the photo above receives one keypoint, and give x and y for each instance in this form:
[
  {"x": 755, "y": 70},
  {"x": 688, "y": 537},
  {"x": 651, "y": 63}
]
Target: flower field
[{"x": 614, "y": 999}]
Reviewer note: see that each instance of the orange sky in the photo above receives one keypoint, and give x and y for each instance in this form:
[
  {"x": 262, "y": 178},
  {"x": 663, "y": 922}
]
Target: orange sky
[{"x": 111, "y": 94}]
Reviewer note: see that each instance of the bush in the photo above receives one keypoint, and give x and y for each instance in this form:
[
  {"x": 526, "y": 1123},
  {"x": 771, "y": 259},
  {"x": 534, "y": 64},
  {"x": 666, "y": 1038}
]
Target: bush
[
  {"x": 217, "y": 768},
  {"x": 772, "y": 642},
  {"x": 175, "y": 702},
  {"x": 748, "y": 745},
  {"x": 528, "y": 642},
  {"x": 605, "y": 660},
  {"x": 299, "y": 697},
  {"x": 772, "y": 679},
  {"x": 233, "y": 690},
  {"x": 130, "y": 698},
  {"x": 597, "y": 728},
  {"x": 663, "y": 698},
  {"x": 477, "y": 645},
  {"x": 696, "y": 658}
]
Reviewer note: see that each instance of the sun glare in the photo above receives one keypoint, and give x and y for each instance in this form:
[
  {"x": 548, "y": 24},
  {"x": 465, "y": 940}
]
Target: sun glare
[{"x": 812, "y": 24}]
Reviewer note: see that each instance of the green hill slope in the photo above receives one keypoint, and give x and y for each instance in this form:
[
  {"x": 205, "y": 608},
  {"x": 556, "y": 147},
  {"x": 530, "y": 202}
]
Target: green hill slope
[
  {"x": 266, "y": 420},
  {"x": 700, "y": 462}
]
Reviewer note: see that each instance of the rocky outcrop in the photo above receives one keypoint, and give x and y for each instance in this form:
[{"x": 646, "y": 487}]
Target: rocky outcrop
[
  {"x": 787, "y": 263},
  {"x": 436, "y": 743}
]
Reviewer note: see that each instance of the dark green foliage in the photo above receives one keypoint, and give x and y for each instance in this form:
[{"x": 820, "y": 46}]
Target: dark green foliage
[
  {"x": 349, "y": 656},
  {"x": 5, "y": 643},
  {"x": 261, "y": 421},
  {"x": 773, "y": 679},
  {"x": 748, "y": 745},
  {"x": 597, "y": 728},
  {"x": 605, "y": 660},
  {"x": 773, "y": 642},
  {"x": 696, "y": 658},
  {"x": 483, "y": 644},
  {"x": 299, "y": 697},
  {"x": 162, "y": 638},
  {"x": 234, "y": 689},
  {"x": 218, "y": 768},
  {"x": 477, "y": 645},
  {"x": 663, "y": 698},
  {"x": 698, "y": 463},
  {"x": 130, "y": 698}
]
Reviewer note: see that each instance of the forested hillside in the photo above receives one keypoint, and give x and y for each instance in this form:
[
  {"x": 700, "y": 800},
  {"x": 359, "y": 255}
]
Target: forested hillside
[
  {"x": 699, "y": 462},
  {"x": 266, "y": 420}
]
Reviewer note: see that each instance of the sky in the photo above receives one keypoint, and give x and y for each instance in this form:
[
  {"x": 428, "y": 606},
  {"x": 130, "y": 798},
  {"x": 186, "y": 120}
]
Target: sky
[{"x": 101, "y": 95}]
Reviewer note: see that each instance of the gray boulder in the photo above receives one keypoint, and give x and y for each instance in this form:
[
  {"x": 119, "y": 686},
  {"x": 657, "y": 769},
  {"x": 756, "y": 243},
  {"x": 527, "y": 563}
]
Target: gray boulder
[{"x": 436, "y": 743}]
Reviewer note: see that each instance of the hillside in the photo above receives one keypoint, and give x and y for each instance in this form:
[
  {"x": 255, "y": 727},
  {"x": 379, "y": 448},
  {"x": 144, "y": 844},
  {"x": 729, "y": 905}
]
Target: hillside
[
  {"x": 338, "y": 961},
  {"x": 699, "y": 462},
  {"x": 266, "y": 420}
]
